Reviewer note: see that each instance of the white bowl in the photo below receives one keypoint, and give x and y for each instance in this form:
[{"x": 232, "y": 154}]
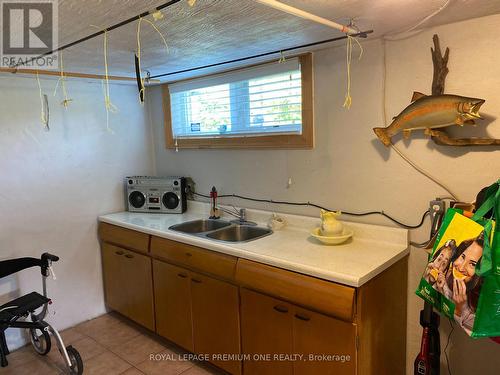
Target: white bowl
[{"x": 332, "y": 240}]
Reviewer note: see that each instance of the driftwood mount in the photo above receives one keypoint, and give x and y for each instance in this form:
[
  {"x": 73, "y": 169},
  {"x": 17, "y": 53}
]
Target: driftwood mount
[{"x": 441, "y": 137}]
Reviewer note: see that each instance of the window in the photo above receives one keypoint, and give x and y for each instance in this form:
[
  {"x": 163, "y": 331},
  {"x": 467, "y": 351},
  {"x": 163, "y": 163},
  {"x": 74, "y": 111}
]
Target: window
[{"x": 262, "y": 106}]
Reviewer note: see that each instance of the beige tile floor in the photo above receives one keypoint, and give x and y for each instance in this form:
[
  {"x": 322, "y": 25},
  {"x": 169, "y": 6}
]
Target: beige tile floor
[{"x": 109, "y": 345}]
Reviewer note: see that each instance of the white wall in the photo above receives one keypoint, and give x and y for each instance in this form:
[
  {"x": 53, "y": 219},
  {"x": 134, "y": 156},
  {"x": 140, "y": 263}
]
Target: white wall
[
  {"x": 350, "y": 169},
  {"x": 54, "y": 185}
]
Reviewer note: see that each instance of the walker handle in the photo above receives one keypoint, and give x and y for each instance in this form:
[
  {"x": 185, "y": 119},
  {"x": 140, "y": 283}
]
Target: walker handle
[{"x": 46, "y": 258}]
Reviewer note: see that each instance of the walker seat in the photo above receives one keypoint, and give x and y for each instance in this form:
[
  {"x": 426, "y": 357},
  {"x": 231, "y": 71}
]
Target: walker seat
[{"x": 22, "y": 306}]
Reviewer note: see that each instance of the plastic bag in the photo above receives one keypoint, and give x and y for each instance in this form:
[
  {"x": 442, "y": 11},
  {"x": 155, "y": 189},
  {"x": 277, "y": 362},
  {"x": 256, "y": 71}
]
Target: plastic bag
[{"x": 462, "y": 277}]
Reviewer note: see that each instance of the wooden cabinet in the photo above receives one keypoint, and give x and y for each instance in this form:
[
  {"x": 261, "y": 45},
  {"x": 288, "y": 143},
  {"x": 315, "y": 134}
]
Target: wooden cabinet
[
  {"x": 127, "y": 238},
  {"x": 284, "y": 339},
  {"x": 216, "y": 323},
  {"x": 114, "y": 278},
  {"x": 128, "y": 284},
  {"x": 173, "y": 304},
  {"x": 286, "y": 322},
  {"x": 329, "y": 298},
  {"x": 219, "y": 265},
  {"x": 266, "y": 331},
  {"x": 328, "y": 345},
  {"x": 199, "y": 313}
]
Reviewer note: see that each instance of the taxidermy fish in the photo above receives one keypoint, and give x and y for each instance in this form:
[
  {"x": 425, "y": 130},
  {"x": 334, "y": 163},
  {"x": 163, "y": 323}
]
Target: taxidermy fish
[{"x": 431, "y": 112}]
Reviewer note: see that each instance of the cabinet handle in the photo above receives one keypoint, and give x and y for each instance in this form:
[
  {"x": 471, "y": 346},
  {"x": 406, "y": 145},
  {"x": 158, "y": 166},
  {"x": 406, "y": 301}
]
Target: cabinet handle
[
  {"x": 281, "y": 309},
  {"x": 183, "y": 275},
  {"x": 196, "y": 281},
  {"x": 130, "y": 256},
  {"x": 119, "y": 252},
  {"x": 302, "y": 317}
]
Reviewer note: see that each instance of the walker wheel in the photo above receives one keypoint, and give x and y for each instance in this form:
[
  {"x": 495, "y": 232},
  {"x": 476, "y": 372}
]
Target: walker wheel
[
  {"x": 40, "y": 342},
  {"x": 76, "y": 361}
]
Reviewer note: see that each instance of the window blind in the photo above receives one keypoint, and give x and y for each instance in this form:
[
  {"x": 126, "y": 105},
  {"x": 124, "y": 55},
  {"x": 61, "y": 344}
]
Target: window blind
[{"x": 260, "y": 100}]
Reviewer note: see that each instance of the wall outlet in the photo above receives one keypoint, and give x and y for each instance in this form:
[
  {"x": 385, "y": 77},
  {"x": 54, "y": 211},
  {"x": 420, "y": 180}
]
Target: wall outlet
[
  {"x": 437, "y": 207},
  {"x": 190, "y": 188}
]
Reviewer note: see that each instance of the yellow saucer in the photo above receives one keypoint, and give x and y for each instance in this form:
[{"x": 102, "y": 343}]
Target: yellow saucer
[{"x": 332, "y": 240}]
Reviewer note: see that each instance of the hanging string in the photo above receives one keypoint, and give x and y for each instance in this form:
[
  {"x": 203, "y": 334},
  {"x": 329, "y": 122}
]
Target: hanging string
[
  {"x": 158, "y": 15},
  {"x": 142, "y": 93},
  {"x": 282, "y": 58},
  {"x": 191, "y": 2},
  {"x": 62, "y": 80},
  {"x": 110, "y": 107},
  {"x": 107, "y": 98},
  {"x": 349, "y": 48},
  {"x": 44, "y": 104}
]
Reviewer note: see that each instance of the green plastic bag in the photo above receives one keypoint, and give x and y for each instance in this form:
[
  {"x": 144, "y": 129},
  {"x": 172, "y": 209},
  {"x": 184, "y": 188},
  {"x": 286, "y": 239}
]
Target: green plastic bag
[{"x": 462, "y": 277}]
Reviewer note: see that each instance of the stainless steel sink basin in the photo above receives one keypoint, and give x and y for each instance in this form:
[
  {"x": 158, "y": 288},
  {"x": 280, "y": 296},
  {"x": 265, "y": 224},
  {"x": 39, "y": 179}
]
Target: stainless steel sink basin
[
  {"x": 200, "y": 226},
  {"x": 239, "y": 233}
]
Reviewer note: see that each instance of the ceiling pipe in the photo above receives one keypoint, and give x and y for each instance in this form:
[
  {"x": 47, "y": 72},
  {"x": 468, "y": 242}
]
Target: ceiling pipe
[{"x": 309, "y": 16}]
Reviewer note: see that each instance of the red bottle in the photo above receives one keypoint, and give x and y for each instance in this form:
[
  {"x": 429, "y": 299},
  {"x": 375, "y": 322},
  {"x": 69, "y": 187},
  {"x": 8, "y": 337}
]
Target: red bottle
[{"x": 422, "y": 364}]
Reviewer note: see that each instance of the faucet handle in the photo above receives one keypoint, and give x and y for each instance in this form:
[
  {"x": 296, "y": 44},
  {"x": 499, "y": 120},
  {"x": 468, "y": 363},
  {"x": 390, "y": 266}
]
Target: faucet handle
[{"x": 243, "y": 214}]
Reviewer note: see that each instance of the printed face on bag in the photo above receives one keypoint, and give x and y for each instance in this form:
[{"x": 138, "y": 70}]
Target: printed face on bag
[
  {"x": 443, "y": 259},
  {"x": 464, "y": 267},
  {"x": 440, "y": 262}
]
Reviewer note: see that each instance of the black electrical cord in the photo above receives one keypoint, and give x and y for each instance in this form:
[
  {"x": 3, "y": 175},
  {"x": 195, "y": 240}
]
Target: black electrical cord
[{"x": 382, "y": 213}]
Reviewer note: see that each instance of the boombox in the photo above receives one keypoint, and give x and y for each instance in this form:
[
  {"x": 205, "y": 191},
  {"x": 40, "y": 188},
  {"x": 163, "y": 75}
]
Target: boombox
[{"x": 156, "y": 194}]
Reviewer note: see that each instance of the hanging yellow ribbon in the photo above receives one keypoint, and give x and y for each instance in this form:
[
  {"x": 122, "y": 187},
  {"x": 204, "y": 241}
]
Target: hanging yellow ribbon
[
  {"x": 282, "y": 58},
  {"x": 158, "y": 15},
  {"x": 142, "y": 92},
  {"x": 43, "y": 114},
  {"x": 349, "y": 48},
  {"x": 62, "y": 80},
  {"x": 191, "y": 2},
  {"x": 107, "y": 98},
  {"x": 108, "y": 105}
]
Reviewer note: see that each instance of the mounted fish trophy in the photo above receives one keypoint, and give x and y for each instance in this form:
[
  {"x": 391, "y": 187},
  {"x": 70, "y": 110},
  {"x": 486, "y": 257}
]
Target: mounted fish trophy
[{"x": 435, "y": 112}]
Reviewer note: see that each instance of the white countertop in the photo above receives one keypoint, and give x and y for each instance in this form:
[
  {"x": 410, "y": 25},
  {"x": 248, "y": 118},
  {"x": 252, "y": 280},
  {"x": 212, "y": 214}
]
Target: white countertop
[{"x": 372, "y": 249}]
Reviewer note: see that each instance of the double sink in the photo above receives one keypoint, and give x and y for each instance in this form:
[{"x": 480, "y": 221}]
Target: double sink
[{"x": 221, "y": 230}]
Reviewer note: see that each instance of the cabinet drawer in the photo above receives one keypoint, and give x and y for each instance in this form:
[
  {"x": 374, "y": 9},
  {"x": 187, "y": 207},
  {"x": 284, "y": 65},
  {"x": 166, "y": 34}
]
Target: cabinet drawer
[
  {"x": 323, "y": 296},
  {"x": 127, "y": 238},
  {"x": 193, "y": 257}
]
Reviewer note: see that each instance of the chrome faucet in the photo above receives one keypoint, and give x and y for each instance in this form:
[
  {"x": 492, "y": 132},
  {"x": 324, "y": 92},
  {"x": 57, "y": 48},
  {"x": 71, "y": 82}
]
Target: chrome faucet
[{"x": 240, "y": 214}]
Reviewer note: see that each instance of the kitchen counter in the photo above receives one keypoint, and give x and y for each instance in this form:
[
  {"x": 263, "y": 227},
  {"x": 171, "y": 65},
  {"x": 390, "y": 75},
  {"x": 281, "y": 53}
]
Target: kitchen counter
[{"x": 372, "y": 249}]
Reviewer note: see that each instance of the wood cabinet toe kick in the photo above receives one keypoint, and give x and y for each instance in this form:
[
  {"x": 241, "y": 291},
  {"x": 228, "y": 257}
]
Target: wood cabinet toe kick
[{"x": 220, "y": 305}]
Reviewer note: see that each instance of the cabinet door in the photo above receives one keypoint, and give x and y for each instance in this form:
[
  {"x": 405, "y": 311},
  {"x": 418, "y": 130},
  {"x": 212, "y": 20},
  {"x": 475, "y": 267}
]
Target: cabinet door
[
  {"x": 173, "y": 304},
  {"x": 139, "y": 284},
  {"x": 216, "y": 324},
  {"x": 114, "y": 280},
  {"x": 128, "y": 284},
  {"x": 325, "y": 343},
  {"x": 266, "y": 331}
]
